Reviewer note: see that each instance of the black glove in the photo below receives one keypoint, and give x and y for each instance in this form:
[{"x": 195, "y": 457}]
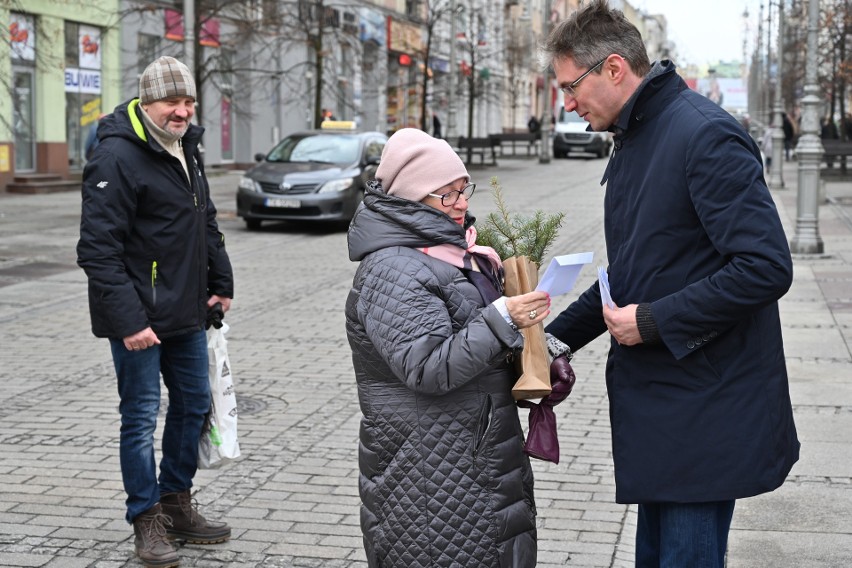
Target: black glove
[{"x": 215, "y": 313}]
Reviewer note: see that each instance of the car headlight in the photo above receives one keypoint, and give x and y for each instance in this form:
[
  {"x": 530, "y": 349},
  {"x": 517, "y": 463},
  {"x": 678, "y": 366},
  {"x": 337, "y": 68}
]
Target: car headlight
[
  {"x": 337, "y": 185},
  {"x": 249, "y": 184}
]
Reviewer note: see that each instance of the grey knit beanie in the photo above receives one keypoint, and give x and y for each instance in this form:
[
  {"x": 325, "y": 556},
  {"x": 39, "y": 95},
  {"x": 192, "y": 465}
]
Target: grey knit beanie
[
  {"x": 414, "y": 165},
  {"x": 165, "y": 77}
]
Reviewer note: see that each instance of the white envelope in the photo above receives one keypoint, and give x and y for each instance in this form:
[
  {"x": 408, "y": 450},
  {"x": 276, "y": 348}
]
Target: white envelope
[
  {"x": 603, "y": 284},
  {"x": 562, "y": 272}
]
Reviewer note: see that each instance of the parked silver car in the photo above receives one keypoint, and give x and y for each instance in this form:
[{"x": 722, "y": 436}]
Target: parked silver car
[
  {"x": 315, "y": 175},
  {"x": 570, "y": 134}
]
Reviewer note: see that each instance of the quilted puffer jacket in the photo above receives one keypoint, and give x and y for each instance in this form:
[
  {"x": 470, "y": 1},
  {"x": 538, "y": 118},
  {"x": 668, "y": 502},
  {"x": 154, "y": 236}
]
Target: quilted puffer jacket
[{"x": 443, "y": 478}]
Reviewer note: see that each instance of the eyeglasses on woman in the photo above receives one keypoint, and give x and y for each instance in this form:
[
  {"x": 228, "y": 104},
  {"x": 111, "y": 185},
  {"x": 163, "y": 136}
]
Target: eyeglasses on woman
[{"x": 451, "y": 197}]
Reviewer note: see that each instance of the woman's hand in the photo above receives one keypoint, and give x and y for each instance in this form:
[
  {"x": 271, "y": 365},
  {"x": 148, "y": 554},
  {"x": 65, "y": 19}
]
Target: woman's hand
[{"x": 528, "y": 309}]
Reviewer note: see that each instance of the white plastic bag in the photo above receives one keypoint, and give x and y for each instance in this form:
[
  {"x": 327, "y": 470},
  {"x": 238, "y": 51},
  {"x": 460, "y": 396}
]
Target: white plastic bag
[{"x": 218, "y": 444}]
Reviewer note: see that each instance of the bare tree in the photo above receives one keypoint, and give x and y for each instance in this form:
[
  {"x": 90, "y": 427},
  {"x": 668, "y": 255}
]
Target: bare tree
[
  {"x": 436, "y": 13},
  {"x": 837, "y": 23},
  {"x": 270, "y": 28},
  {"x": 795, "y": 40},
  {"x": 476, "y": 50},
  {"x": 48, "y": 56}
]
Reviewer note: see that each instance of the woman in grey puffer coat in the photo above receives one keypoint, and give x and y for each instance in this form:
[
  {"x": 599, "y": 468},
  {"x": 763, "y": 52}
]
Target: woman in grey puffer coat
[{"x": 444, "y": 480}]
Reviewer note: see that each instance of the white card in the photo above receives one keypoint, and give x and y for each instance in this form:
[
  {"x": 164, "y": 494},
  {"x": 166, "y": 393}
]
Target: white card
[
  {"x": 562, "y": 272},
  {"x": 603, "y": 284}
]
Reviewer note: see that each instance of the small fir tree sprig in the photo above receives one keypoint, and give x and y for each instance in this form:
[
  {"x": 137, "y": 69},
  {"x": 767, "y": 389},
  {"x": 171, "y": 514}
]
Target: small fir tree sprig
[{"x": 518, "y": 235}]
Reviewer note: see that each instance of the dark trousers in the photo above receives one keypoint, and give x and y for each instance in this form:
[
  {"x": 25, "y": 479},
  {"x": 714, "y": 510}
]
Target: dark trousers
[
  {"x": 182, "y": 360},
  {"x": 681, "y": 535}
]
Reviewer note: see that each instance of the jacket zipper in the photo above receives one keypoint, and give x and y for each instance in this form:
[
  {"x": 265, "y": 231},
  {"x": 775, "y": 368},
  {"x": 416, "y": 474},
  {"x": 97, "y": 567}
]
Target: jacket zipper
[
  {"x": 483, "y": 429},
  {"x": 154, "y": 282}
]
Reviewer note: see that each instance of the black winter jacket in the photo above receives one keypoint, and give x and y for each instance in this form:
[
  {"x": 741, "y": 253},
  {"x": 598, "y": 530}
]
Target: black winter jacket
[
  {"x": 444, "y": 480},
  {"x": 149, "y": 241}
]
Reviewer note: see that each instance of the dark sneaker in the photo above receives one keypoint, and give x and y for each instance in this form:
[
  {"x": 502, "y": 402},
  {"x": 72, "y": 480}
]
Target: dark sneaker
[
  {"x": 188, "y": 524},
  {"x": 152, "y": 546}
]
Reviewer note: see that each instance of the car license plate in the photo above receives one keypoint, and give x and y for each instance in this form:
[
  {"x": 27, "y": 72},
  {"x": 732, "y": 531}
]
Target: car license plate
[{"x": 281, "y": 202}]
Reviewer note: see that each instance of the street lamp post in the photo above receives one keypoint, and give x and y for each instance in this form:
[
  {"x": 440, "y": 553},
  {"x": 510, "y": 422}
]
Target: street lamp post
[
  {"x": 189, "y": 34},
  {"x": 767, "y": 95},
  {"x": 547, "y": 111},
  {"x": 809, "y": 151},
  {"x": 776, "y": 177}
]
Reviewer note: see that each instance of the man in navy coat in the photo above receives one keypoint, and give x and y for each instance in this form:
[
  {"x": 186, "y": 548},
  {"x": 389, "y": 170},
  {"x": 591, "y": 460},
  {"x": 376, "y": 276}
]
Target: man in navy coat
[{"x": 699, "y": 399}]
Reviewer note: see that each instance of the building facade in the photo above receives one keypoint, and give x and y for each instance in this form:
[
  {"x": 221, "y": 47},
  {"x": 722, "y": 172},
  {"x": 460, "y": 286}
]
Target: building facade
[
  {"x": 58, "y": 71},
  {"x": 266, "y": 68}
]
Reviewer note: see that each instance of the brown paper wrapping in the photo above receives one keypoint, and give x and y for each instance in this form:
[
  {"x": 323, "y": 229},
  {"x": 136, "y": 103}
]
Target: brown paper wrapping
[{"x": 533, "y": 365}]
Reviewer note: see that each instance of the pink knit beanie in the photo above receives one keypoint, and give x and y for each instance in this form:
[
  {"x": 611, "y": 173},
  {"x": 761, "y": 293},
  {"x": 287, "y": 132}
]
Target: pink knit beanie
[{"x": 414, "y": 164}]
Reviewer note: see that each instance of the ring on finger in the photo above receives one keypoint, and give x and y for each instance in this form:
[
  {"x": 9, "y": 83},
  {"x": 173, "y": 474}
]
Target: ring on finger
[{"x": 533, "y": 314}]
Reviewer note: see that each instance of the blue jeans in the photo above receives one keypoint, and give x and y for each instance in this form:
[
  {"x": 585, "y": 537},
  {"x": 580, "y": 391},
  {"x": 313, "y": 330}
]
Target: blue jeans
[
  {"x": 676, "y": 535},
  {"x": 183, "y": 363}
]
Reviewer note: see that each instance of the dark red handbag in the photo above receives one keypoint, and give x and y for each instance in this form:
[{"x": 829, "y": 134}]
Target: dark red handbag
[{"x": 542, "y": 441}]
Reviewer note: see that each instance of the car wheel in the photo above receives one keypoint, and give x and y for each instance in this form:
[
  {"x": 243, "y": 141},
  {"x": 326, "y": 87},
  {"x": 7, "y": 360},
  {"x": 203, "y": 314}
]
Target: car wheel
[{"x": 253, "y": 224}]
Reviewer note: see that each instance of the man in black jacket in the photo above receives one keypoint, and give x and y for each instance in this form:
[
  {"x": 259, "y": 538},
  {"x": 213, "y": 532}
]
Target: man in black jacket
[{"x": 156, "y": 261}]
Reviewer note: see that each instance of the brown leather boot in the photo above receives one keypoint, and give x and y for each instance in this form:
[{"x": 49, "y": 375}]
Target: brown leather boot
[
  {"x": 188, "y": 524},
  {"x": 152, "y": 546}
]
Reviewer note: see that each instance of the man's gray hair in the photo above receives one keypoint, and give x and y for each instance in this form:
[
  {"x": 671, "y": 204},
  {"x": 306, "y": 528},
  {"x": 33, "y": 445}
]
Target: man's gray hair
[{"x": 593, "y": 33}]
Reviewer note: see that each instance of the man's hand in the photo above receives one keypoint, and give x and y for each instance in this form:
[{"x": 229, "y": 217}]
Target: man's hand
[
  {"x": 226, "y": 302},
  {"x": 141, "y": 340},
  {"x": 621, "y": 323}
]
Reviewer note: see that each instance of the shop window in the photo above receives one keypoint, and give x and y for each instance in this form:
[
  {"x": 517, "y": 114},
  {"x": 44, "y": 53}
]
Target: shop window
[
  {"x": 413, "y": 8},
  {"x": 83, "y": 106},
  {"x": 22, "y": 38},
  {"x": 72, "y": 52},
  {"x": 22, "y": 45},
  {"x": 148, "y": 48}
]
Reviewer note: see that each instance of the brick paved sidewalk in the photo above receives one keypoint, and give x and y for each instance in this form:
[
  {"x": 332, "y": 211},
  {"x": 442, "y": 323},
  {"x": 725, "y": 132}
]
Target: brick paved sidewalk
[{"x": 292, "y": 500}]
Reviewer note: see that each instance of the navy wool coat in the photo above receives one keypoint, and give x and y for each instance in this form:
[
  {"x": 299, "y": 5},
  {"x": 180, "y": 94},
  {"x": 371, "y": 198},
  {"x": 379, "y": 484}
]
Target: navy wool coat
[{"x": 691, "y": 229}]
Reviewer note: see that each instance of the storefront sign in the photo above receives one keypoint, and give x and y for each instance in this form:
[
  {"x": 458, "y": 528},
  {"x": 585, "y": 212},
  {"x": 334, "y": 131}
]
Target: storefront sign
[
  {"x": 373, "y": 26},
  {"x": 90, "y": 112},
  {"x": 89, "y": 38},
  {"x": 82, "y": 81},
  {"x": 225, "y": 116},
  {"x": 22, "y": 36},
  {"x": 5, "y": 164},
  {"x": 404, "y": 37},
  {"x": 440, "y": 65},
  {"x": 209, "y": 35},
  {"x": 174, "y": 24}
]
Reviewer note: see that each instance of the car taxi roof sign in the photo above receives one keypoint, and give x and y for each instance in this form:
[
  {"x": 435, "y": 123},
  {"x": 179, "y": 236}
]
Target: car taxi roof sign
[{"x": 338, "y": 125}]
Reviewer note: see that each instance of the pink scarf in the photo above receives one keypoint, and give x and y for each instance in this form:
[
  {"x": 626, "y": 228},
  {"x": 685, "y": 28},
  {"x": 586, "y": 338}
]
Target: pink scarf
[{"x": 460, "y": 257}]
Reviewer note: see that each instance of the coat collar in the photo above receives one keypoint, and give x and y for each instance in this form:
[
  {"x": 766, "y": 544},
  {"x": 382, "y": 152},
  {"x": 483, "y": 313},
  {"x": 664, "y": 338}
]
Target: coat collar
[
  {"x": 189, "y": 140},
  {"x": 384, "y": 220},
  {"x": 653, "y": 95},
  {"x": 642, "y": 104}
]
